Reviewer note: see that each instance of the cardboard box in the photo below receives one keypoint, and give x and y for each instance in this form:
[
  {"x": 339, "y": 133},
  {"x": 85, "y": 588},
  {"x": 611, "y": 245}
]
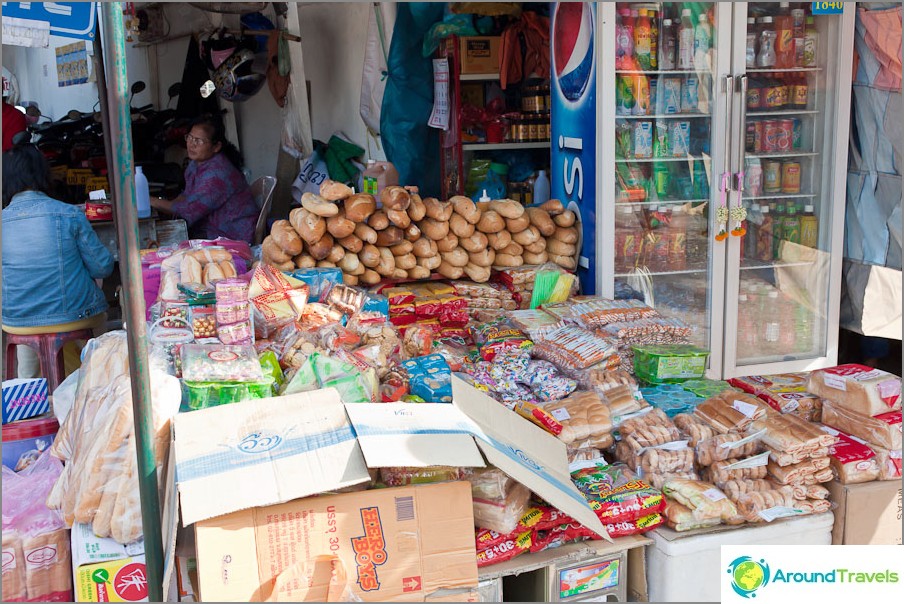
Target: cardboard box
[
  {"x": 384, "y": 545},
  {"x": 867, "y": 513},
  {"x": 106, "y": 571},
  {"x": 479, "y": 54},
  {"x": 23, "y": 399}
]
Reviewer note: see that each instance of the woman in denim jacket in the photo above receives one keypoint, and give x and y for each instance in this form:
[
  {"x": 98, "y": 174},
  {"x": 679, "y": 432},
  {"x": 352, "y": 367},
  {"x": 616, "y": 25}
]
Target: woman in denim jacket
[{"x": 51, "y": 255}]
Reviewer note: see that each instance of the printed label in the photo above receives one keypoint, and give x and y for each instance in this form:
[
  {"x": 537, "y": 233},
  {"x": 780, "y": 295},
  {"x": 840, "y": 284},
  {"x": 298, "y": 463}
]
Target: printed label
[
  {"x": 779, "y": 511},
  {"x": 40, "y": 557},
  {"x": 850, "y": 449},
  {"x": 755, "y": 436},
  {"x": 890, "y": 392},
  {"x": 746, "y": 408},
  {"x": 714, "y": 494},
  {"x": 891, "y": 418},
  {"x": 222, "y": 356},
  {"x": 561, "y": 414},
  {"x": 9, "y": 559},
  {"x": 836, "y": 382}
]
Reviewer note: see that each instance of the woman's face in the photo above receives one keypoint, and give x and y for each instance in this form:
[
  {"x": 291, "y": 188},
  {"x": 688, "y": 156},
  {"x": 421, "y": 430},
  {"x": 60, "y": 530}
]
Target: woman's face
[{"x": 199, "y": 146}]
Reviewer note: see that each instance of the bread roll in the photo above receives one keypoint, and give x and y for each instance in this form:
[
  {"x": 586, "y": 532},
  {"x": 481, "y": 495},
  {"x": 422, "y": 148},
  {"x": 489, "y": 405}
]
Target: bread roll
[
  {"x": 358, "y": 208},
  {"x": 318, "y": 205},
  {"x": 394, "y": 197},
  {"x": 331, "y": 190}
]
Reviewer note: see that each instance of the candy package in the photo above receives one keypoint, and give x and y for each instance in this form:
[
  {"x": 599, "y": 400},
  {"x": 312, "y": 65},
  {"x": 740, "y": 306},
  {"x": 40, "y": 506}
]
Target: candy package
[
  {"x": 657, "y": 364},
  {"x": 615, "y": 494},
  {"x": 277, "y": 299},
  {"x": 574, "y": 348},
  {"x": 318, "y": 280},
  {"x": 493, "y": 337},
  {"x": 220, "y": 363},
  {"x": 429, "y": 378}
]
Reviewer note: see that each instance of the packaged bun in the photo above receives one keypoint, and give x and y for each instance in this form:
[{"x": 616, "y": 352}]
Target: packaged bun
[
  {"x": 859, "y": 388},
  {"x": 883, "y": 430}
]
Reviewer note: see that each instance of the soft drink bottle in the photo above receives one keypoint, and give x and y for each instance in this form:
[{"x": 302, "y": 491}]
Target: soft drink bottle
[
  {"x": 750, "y": 56},
  {"x": 667, "y": 46},
  {"x": 643, "y": 36},
  {"x": 624, "y": 41},
  {"x": 784, "y": 38},
  {"x": 686, "y": 41},
  {"x": 766, "y": 56},
  {"x": 703, "y": 37}
]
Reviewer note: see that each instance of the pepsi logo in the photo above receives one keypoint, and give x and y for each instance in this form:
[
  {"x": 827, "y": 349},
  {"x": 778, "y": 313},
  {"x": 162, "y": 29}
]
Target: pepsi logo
[{"x": 573, "y": 47}]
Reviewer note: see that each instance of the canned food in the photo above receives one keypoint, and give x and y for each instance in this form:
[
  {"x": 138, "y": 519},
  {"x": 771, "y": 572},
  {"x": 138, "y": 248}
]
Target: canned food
[
  {"x": 759, "y": 141},
  {"x": 774, "y": 95},
  {"x": 750, "y": 137},
  {"x": 771, "y": 135},
  {"x": 772, "y": 176},
  {"x": 785, "y": 135},
  {"x": 791, "y": 177},
  {"x": 796, "y": 133}
]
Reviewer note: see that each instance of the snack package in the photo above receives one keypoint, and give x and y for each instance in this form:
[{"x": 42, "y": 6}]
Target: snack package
[
  {"x": 731, "y": 411},
  {"x": 322, "y": 371},
  {"x": 582, "y": 416},
  {"x": 559, "y": 535},
  {"x": 220, "y": 363},
  {"x": 883, "y": 430},
  {"x": 418, "y": 341},
  {"x": 702, "y": 498},
  {"x": 790, "y": 434},
  {"x": 201, "y": 395},
  {"x": 889, "y": 463},
  {"x": 598, "y": 312},
  {"x": 574, "y": 348},
  {"x": 694, "y": 428},
  {"x": 203, "y": 322},
  {"x": 765, "y": 506},
  {"x": 736, "y": 487},
  {"x": 536, "y": 323},
  {"x": 650, "y": 429},
  {"x": 539, "y": 416},
  {"x": 852, "y": 460},
  {"x": 276, "y": 298},
  {"x": 429, "y": 378},
  {"x": 347, "y": 300},
  {"x": 668, "y": 458},
  {"x": 736, "y": 469},
  {"x": 657, "y": 479},
  {"x": 318, "y": 280},
  {"x": 785, "y": 382},
  {"x": 806, "y": 472},
  {"x": 615, "y": 494},
  {"x": 499, "y": 501},
  {"x": 493, "y": 337},
  {"x": 637, "y": 526},
  {"x": 858, "y": 388},
  {"x": 508, "y": 549},
  {"x": 803, "y": 404},
  {"x": 658, "y": 364},
  {"x": 681, "y": 518}
]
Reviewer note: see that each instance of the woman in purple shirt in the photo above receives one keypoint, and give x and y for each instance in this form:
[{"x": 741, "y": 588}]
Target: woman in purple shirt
[{"x": 217, "y": 201}]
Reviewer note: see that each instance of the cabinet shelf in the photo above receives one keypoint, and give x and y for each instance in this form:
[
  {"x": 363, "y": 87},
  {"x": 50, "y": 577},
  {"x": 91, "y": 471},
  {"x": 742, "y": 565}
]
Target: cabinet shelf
[
  {"x": 689, "y": 271},
  {"x": 749, "y": 264},
  {"x": 653, "y": 159},
  {"x": 658, "y": 72},
  {"x": 782, "y": 112},
  {"x": 780, "y": 196},
  {"x": 660, "y": 202},
  {"x": 478, "y": 77},
  {"x": 663, "y": 116},
  {"x": 504, "y": 146},
  {"x": 786, "y": 70},
  {"x": 782, "y": 154}
]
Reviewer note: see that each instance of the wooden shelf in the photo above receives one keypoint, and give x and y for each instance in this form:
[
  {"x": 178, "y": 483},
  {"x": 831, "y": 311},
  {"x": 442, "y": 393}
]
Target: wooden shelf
[{"x": 478, "y": 77}]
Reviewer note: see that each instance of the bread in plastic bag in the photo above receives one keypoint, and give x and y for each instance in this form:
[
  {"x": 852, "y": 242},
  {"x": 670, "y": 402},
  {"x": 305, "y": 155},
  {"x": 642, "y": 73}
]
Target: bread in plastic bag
[{"x": 704, "y": 499}]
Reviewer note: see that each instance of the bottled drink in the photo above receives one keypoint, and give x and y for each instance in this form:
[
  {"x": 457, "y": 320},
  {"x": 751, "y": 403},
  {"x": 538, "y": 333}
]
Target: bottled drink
[
  {"x": 764, "y": 236},
  {"x": 643, "y": 35},
  {"x": 811, "y": 38},
  {"x": 627, "y": 240},
  {"x": 784, "y": 40},
  {"x": 703, "y": 37},
  {"x": 142, "y": 193},
  {"x": 809, "y": 228},
  {"x": 800, "y": 92},
  {"x": 686, "y": 41},
  {"x": 624, "y": 41},
  {"x": 678, "y": 239},
  {"x": 778, "y": 230},
  {"x": 625, "y": 89},
  {"x": 667, "y": 45},
  {"x": 654, "y": 38},
  {"x": 541, "y": 188},
  {"x": 754, "y": 218},
  {"x": 642, "y": 92},
  {"x": 798, "y": 22},
  {"x": 791, "y": 226},
  {"x": 765, "y": 58},
  {"x": 751, "y": 43},
  {"x": 773, "y": 325}
]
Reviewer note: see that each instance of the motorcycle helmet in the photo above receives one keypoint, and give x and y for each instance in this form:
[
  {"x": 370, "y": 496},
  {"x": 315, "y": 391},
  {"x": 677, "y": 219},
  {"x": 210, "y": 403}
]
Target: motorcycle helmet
[{"x": 235, "y": 79}]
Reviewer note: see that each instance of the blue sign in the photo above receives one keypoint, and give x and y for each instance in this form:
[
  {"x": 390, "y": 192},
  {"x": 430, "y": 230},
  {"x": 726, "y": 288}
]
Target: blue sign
[
  {"x": 573, "y": 95},
  {"x": 67, "y": 19},
  {"x": 828, "y": 8}
]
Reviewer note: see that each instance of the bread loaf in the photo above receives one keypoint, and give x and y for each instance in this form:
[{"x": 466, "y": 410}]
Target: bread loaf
[
  {"x": 883, "y": 430},
  {"x": 861, "y": 389}
]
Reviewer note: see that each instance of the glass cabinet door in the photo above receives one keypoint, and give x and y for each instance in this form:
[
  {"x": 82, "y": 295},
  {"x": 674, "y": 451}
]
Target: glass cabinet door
[
  {"x": 787, "y": 154},
  {"x": 667, "y": 98}
]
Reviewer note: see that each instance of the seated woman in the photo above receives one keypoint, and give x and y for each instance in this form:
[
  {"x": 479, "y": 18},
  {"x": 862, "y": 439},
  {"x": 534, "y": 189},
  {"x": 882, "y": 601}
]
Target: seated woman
[
  {"x": 217, "y": 201},
  {"x": 51, "y": 257}
]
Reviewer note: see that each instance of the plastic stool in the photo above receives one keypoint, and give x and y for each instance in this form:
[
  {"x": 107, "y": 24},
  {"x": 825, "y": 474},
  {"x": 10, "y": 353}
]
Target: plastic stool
[{"x": 49, "y": 347}]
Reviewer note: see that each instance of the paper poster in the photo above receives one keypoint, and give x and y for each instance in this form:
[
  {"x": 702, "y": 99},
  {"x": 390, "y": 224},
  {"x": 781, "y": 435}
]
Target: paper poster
[
  {"x": 439, "y": 118},
  {"x": 72, "y": 64}
]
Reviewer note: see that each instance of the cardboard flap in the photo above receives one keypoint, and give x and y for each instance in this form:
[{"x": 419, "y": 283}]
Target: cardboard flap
[
  {"x": 262, "y": 452},
  {"x": 402, "y": 434},
  {"x": 525, "y": 452}
]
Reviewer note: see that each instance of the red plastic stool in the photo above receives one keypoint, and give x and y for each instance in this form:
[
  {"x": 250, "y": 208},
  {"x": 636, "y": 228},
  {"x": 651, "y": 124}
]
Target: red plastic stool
[{"x": 49, "y": 347}]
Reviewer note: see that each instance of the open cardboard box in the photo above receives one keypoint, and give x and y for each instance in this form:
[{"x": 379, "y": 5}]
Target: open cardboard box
[{"x": 267, "y": 452}]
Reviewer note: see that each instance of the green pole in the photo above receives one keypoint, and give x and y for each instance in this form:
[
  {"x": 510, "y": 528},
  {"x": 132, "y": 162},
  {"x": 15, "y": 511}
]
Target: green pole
[{"x": 126, "y": 217}]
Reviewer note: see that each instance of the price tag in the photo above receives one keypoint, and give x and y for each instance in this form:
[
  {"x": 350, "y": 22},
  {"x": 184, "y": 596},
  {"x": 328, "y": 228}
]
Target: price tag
[
  {"x": 675, "y": 445},
  {"x": 779, "y": 511},
  {"x": 745, "y": 440},
  {"x": 827, "y": 8},
  {"x": 714, "y": 494},
  {"x": 751, "y": 462},
  {"x": 561, "y": 414},
  {"x": 746, "y": 408}
]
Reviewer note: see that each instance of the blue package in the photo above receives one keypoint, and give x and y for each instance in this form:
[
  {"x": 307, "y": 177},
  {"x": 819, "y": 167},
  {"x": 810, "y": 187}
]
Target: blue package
[
  {"x": 430, "y": 378},
  {"x": 318, "y": 280},
  {"x": 376, "y": 303}
]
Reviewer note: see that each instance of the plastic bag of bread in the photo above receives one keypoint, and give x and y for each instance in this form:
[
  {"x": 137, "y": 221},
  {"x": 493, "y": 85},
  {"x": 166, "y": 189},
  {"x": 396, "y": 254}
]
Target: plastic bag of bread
[
  {"x": 889, "y": 463},
  {"x": 791, "y": 434},
  {"x": 723, "y": 471},
  {"x": 622, "y": 400},
  {"x": 648, "y": 430},
  {"x": 658, "y": 479},
  {"x": 813, "y": 506},
  {"x": 804, "y": 404},
  {"x": 727, "y": 446},
  {"x": 731, "y": 411},
  {"x": 681, "y": 518},
  {"x": 582, "y": 416},
  {"x": 703, "y": 499},
  {"x": 799, "y": 472},
  {"x": 694, "y": 429},
  {"x": 804, "y": 491},
  {"x": 859, "y": 388},
  {"x": 766, "y": 506},
  {"x": 734, "y": 488},
  {"x": 883, "y": 430},
  {"x": 851, "y": 460},
  {"x": 669, "y": 458},
  {"x": 499, "y": 501}
]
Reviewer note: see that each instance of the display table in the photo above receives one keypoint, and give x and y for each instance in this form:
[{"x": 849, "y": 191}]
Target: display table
[
  {"x": 589, "y": 570},
  {"x": 686, "y": 567},
  {"x": 152, "y": 232}
]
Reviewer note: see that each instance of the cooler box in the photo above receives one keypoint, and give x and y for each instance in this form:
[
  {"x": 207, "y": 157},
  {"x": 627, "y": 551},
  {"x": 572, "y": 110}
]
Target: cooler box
[
  {"x": 686, "y": 568},
  {"x": 23, "y": 442}
]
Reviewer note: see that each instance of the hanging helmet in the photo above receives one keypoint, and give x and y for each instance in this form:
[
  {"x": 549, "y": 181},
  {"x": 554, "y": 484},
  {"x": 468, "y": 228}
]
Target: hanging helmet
[{"x": 235, "y": 80}]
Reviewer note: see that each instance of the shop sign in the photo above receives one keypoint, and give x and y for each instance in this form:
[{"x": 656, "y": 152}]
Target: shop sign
[
  {"x": 67, "y": 19},
  {"x": 828, "y": 8}
]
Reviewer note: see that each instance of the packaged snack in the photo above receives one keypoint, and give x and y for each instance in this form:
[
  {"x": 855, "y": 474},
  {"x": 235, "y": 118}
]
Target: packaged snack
[
  {"x": 861, "y": 389},
  {"x": 558, "y": 536},
  {"x": 852, "y": 460},
  {"x": 539, "y": 416},
  {"x": 801, "y": 472},
  {"x": 760, "y": 506},
  {"x": 802, "y": 403},
  {"x": 597, "y": 312},
  {"x": 220, "y": 363},
  {"x": 658, "y": 480},
  {"x": 574, "y": 348},
  {"x": 582, "y": 416},
  {"x": 172, "y": 314},
  {"x": 790, "y": 434},
  {"x": 166, "y": 343},
  {"x": 232, "y": 291},
  {"x": 512, "y": 547},
  {"x": 731, "y": 411},
  {"x": 736, "y": 487},
  {"x": 398, "y": 295},
  {"x": 493, "y": 337},
  {"x": 702, "y": 498},
  {"x": 400, "y": 477},
  {"x": 883, "y": 430},
  {"x": 693, "y": 428},
  {"x": 644, "y": 524},
  {"x": 418, "y": 341},
  {"x": 203, "y": 321},
  {"x": 429, "y": 377},
  {"x": 232, "y": 313},
  {"x": 271, "y": 369},
  {"x": 727, "y": 446},
  {"x": 277, "y": 299},
  {"x": 345, "y": 299},
  {"x": 681, "y": 518},
  {"x": 536, "y": 323},
  {"x": 318, "y": 280},
  {"x": 615, "y": 494},
  {"x": 201, "y": 395},
  {"x": 657, "y": 364},
  {"x": 785, "y": 382},
  {"x": 499, "y": 501},
  {"x": 733, "y": 469},
  {"x": 648, "y": 430},
  {"x": 334, "y": 336}
]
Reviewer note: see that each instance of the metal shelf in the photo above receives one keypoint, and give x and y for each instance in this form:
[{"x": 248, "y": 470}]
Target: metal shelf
[
  {"x": 653, "y": 159},
  {"x": 782, "y": 154},
  {"x": 658, "y": 72},
  {"x": 782, "y": 112},
  {"x": 690, "y": 271},
  {"x": 504, "y": 146},
  {"x": 663, "y": 116},
  {"x": 780, "y": 196},
  {"x": 478, "y": 77},
  {"x": 749, "y": 264},
  {"x": 786, "y": 70},
  {"x": 659, "y": 203}
]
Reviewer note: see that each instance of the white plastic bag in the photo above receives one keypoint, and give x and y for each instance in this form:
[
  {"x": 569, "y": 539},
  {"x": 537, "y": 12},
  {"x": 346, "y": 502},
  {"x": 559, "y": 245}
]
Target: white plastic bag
[{"x": 64, "y": 396}]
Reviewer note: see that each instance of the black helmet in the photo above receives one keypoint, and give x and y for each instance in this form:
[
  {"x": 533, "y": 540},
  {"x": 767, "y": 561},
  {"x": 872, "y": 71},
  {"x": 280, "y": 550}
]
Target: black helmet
[{"x": 234, "y": 78}]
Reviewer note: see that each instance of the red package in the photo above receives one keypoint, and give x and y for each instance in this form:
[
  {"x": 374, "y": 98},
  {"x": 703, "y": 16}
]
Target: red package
[
  {"x": 398, "y": 295},
  {"x": 634, "y": 527},
  {"x": 403, "y": 320},
  {"x": 428, "y": 308},
  {"x": 454, "y": 317},
  {"x": 543, "y": 517},
  {"x": 499, "y": 335},
  {"x": 401, "y": 309},
  {"x": 508, "y": 549},
  {"x": 485, "y": 538},
  {"x": 560, "y": 535},
  {"x": 454, "y": 303}
]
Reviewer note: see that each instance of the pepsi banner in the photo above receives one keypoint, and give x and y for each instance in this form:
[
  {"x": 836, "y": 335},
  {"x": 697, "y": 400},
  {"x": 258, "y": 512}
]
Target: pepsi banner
[{"x": 573, "y": 96}]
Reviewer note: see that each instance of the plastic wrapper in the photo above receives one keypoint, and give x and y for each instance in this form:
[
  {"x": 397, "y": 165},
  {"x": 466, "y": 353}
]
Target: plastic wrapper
[
  {"x": 861, "y": 389},
  {"x": 735, "y": 469},
  {"x": 536, "y": 323},
  {"x": 616, "y": 495},
  {"x": 575, "y": 348},
  {"x": 511, "y": 547},
  {"x": 493, "y": 337},
  {"x": 558, "y": 536},
  {"x": 801, "y": 472},
  {"x": 453, "y": 353},
  {"x": 727, "y": 446},
  {"x": 345, "y": 299},
  {"x": 203, "y": 322},
  {"x": 803, "y": 404},
  {"x": 883, "y": 430},
  {"x": 650, "y": 429},
  {"x": 657, "y": 479},
  {"x": 693, "y": 428},
  {"x": 702, "y": 498},
  {"x": 657, "y": 364},
  {"x": 681, "y": 518},
  {"x": 802, "y": 492},
  {"x": 418, "y": 341},
  {"x": 498, "y": 507},
  {"x": 220, "y": 363},
  {"x": 668, "y": 458},
  {"x": 318, "y": 280},
  {"x": 201, "y": 395},
  {"x": 322, "y": 371},
  {"x": 598, "y": 312},
  {"x": 731, "y": 411},
  {"x": 165, "y": 344},
  {"x": 785, "y": 382},
  {"x": 791, "y": 434},
  {"x": 762, "y": 506},
  {"x": 400, "y": 477},
  {"x": 31, "y": 531},
  {"x": 539, "y": 416},
  {"x": 271, "y": 369},
  {"x": 276, "y": 298},
  {"x": 318, "y": 315},
  {"x": 889, "y": 463},
  {"x": 736, "y": 487},
  {"x": 582, "y": 416},
  {"x": 851, "y": 459},
  {"x": 334, "y": 337},
  {"x": 429, "y": 378},
  {"x": 638, "y": 526}
]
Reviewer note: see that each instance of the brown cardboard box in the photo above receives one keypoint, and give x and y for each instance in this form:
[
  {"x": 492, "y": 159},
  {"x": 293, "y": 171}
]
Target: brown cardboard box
[
  {"x": 867, "y": 513},
  {"x": 479, "y": 54},
  {"x": 383, "y": 545}
]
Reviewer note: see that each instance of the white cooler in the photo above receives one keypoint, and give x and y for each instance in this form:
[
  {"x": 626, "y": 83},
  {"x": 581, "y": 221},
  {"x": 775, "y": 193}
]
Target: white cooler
[{"x": 686, "y": 567}]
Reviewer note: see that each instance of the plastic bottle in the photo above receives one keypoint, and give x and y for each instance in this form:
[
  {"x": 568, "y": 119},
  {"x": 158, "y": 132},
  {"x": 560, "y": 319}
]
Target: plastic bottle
[
  {"x": 798, "y": 22},
  {"x": 751, "y": 43},
  {"x": 643, "y": 35},
  {"x": 142, "y": 193},
  {"x": 624, "y": 41},
  {"x": 784, "y": 38},
  {"x": 778, "y": 230},
  {"x": 703, "y": 39},
  {"x": 654, "y": 38},
  {"x": 686, "y": 41},
  {"x": 764, "y": 236},
  {"x": 678, "y": 239},
  {"x": 791, "y": 226},
  {"x": 541, "y": 188},
  {"x": 766, "y": 56},
  {"x": 626, "y": 238},
  {"x": 667, "y": 46},
  {"x": 811, "y": 39},
  {"x": 378, "y": 176},
  {"x": 809, "y": 228},
  {"x": 773, "y": 325},
  {"x": 754, "y": 219}
]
